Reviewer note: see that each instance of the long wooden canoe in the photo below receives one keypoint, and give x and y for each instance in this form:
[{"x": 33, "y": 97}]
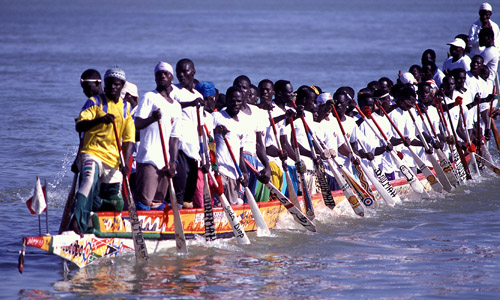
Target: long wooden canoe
[{"x": 112, "y": 234}]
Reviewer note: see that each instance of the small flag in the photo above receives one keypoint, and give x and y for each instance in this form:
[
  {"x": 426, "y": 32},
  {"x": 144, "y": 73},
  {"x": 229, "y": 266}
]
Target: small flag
[{"x": 37, "y": 203}]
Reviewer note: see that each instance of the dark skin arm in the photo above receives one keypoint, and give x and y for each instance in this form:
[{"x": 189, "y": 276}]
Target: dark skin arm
[
  {"x": 243, "y": 168},
  {"x": 195, "y": 102},
  {"x": 86, "y": 125},
  {"x": 173, "y": 145},
  {"x": 261, "y": 154},
  {"x": 287, "y": 148},
  {"x": 344, "y": 150},
  {"x": 127, "y": 152},
  {"x": 141, "y": 123}
]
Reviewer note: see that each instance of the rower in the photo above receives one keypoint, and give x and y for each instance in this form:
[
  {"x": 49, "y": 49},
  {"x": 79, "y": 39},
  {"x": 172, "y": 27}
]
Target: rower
[
  {"x": 157, "y": 106},
  {"x": 490, "y": 53},
  {"x": 452, "y": 100},
  {"x": 429, "y": 58},
  {"x": 276, "y": 158},
  {"x": 485, "y": 11},
  {"x": 253, "y": 95},
  {"x": 416, "y": 71},
  {"x": 90, "y": 81},
  {"x": 101, "y": 176},
  {"x": 405, "y": 97},
  {"x": 457, "y": 58},
  {"x": 227, "y": 124},
  {"x": 254, "y": 122},
  {"x": 382, "y": 155},
  {"x": 189, "y": 147},
  {"x": 278, "y": 162}
]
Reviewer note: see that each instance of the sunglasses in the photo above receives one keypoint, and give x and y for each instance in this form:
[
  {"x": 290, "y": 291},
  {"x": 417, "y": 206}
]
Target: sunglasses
[{"x": 90, "y": 80}]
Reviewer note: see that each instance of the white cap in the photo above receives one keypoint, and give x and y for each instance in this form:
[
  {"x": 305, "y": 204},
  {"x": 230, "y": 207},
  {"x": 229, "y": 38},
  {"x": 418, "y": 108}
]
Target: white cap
[
  {"x": 485, "y": 6},
  {"x": 323, "y": 98},
  {"x": 115, "y": 72},
  {"x": 458, "y": 42},
  {"x": 163, "y": 66},
  {"x": 408, "y": 78},
  {"x": 130, "y": 88}
]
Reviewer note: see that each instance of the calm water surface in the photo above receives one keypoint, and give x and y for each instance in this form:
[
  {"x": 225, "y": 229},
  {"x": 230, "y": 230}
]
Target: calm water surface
[{"x": 446, "y": 247}]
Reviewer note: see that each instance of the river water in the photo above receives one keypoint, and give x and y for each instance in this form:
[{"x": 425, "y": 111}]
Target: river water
[{"x": 446, "y": 247}]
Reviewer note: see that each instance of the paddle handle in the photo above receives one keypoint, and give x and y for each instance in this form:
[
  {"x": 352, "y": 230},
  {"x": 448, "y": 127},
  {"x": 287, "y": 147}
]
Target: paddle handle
[
  {"x": 233, "y": 157},
  {"x": 374, "y": 122},
  {"x": 392, "y": 123},
  {"x": 162, "y": 141}
]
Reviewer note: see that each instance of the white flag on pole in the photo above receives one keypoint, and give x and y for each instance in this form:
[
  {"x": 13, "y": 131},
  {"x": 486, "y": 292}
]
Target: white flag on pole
[{"x": 37, "y": 203}]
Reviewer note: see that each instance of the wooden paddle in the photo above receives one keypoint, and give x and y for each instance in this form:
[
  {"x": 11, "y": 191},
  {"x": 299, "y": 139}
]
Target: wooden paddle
[
  {"x": 442, "y": 179},
  {"x": 207, "y": 198},
  {"x": 140, "y": 248},
  {"x": 256, "y": 213},
  {"x": 302, "y": 178},
  {"x": 66, "y": 217},
  {"x": 444, "y": 162},
  {"x": 435, "y": 184},
  {"x": 289, "y": 184},
  {"x": 465, "y": 166},
  {"x": 408, "y": 174},
  {"x": 180, "y": 239},
  {"x": 232, "y": 217},
  {"x": 292, "y": 209}
]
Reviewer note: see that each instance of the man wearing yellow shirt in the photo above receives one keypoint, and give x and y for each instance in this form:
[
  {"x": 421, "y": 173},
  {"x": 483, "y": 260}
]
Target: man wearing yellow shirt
[{"x": 101, "y": 177}]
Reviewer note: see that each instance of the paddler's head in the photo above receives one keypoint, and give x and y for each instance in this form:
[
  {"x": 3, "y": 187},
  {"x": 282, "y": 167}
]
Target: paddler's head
[
  {"x": 485, "y": 11},
  {"x": 405, "y": 96},
  {"x": 266, "y": 92},
  {"x": 425, "y": 94},
  {"x": 460, "y": 76},
  {"x": 448, "y": 85},
  {"x": 90, "y": 82},
  {"x": 283, "y": 92},
  {"x": 382, "y": 98},
  {"x": 185, "y": 71},
  {"x": 306, "y": 97},
  {"x": 340, "y": 99},
  {"x": 114, "y": 80},
  {"x": 244, "y": 83},
  {"x": 234, "y": 100},
  {"x": 164, "y": 74},
  {"x": 209, "y": 92},
  {"x": 475, "y": 64}
]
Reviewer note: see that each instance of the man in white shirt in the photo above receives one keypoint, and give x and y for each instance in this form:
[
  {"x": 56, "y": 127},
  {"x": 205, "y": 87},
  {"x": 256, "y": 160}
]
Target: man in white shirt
[
  {"x": 490, "y": 53},
  {"x": 157, "y": 105},
  {"x": 254, "y": 121},
  {"x": 227, "y": 124},
  {"x": 484, "y": 21},
  {"x": 429, "y": 58},
  {"x": 189, "y": 145},
  {"x": 457, "y": 58}
]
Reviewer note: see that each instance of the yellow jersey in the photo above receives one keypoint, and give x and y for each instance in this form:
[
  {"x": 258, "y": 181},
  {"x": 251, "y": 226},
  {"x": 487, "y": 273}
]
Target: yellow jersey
[{"x": 100, "y": 140}]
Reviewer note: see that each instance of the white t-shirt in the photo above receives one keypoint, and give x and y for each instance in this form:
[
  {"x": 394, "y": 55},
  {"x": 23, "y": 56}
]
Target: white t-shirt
[
  {"x": 189, "y": 143},
  {"x": 490, "y": 56},
  {"x": 454, "y": 112},
  {"x": 150, "y": 150},
  {"x": 383, "y": 161},
  {"x": 406, "y": 126},
  {"x": 463, "y": 62},
  {"x": 236, "y": 138},
  {"x": 353, "y": 134},
  {"x": 254, "y": 123},
  {"x": 474, "y": 36}
]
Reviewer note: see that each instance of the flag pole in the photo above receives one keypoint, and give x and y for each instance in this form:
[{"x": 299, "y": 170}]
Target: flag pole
[{"x": 46, "y": 206}]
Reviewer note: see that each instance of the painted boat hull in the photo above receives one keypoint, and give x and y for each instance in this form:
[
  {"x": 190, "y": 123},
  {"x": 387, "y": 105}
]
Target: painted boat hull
[{"x": 112, "y": 235}]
